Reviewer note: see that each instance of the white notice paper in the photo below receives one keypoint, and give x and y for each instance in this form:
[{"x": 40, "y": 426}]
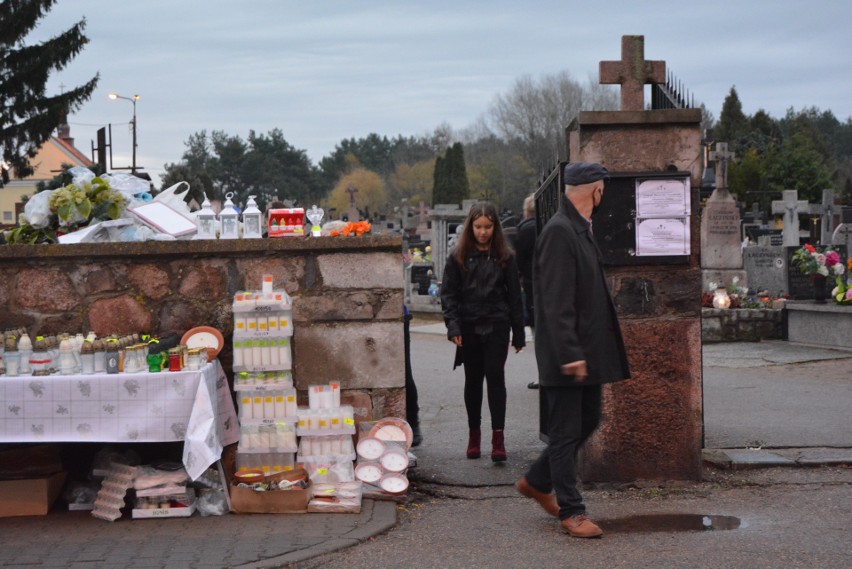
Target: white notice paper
[
  {"x": 660, "y": 236},
  {"x": 663, "y": 217}
]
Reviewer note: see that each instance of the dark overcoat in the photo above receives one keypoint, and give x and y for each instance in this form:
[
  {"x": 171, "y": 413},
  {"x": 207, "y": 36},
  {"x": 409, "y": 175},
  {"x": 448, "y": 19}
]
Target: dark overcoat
[{"x": 574, "y": 312}]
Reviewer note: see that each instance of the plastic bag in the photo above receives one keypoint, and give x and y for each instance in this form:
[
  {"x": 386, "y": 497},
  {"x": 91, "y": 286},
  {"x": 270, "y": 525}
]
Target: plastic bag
[
  {"x": 129, "y": 186},
  {"x": 212, "y": 502},
  {"x": 37, "y": 209},
  {"x": 175, "y": 197},
  {"x": 81, "y": 175}
]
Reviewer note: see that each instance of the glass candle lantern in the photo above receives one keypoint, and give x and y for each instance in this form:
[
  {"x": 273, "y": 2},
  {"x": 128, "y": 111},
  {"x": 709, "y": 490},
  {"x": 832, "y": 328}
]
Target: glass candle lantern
[
  {"x": 252, "y": 220},
  {"x": 229, "y": 219},
  {"x": 721, "y": 298},
  {"x": 206, "y": 220}
]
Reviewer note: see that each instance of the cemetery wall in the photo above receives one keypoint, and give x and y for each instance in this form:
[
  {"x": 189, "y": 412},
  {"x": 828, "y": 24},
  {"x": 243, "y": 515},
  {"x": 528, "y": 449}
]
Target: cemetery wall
[
  {"x": 741, "y": 325},
  {"x": 347, "y": 300}
]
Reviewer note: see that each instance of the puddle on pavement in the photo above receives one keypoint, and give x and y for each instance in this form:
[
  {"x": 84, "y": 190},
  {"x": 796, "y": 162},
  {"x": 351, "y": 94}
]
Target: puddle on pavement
[{"x": 670, "y": 523}]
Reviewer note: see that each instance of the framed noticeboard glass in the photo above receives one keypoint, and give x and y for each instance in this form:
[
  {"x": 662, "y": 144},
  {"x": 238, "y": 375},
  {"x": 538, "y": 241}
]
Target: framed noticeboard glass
[
  {"x": 645, "y": 218},
  {"x": 662, "y": 217}
]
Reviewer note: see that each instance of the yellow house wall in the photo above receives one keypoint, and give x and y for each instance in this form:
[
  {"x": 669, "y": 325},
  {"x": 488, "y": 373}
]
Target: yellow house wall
[{"x": 47, "y": 163}]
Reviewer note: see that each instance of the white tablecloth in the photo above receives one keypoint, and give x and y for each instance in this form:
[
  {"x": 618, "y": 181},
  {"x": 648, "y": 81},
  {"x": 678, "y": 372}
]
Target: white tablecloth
[{"x": 190, "y": 406}]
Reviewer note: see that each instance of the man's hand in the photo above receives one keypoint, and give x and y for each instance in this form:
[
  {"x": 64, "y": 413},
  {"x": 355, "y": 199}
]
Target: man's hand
[
  {"x": 577, "y": 369},
  {"x": 457, "y": 340}
]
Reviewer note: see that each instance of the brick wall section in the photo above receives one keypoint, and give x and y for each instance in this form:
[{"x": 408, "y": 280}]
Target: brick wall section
[{"x": 347, "y": 300}]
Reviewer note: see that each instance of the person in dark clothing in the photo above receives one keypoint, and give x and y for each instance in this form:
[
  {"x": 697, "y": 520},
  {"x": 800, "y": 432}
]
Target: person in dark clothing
[
  {"x": 525, "y": 250},
  {"x": 481, "y": 302},
  {"x": 412, "y": 408},
  {"x": 578, "y": 346}
]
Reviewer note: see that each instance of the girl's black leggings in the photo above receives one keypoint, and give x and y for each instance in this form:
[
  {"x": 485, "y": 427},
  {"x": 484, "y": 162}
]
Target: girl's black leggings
[{"x": 485, "y": 358}]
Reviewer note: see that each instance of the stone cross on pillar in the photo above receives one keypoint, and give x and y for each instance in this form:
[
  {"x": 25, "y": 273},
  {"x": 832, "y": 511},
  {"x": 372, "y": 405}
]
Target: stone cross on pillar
[
  {"x": 353, "y": 214},
  {"x": 423, "y": 222},
  {"x": 721, "y": 156},
  {"x": 633, "y": 72},
  {"x": 827, "y": 212},
  {"x": 790, "y": 206}
]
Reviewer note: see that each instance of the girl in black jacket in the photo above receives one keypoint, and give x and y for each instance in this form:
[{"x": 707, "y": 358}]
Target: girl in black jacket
[{"x": 481, "y": 301}]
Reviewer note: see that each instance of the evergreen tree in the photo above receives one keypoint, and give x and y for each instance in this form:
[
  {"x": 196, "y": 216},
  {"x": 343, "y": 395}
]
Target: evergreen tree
[
  {"x": 27, "y": 115},
  {"x": 458, "y": 186},
  {"x": 440, "y": 187},
  {"x": 732, "y": 124}
]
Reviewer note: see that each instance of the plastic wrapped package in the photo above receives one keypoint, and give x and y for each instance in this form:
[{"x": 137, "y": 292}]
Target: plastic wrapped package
[
  {"x": 344, "y": 498},
  {"x": 212, "y": 502},
  {"x": 81, "y": 495},
  {"x": 331, "y": 472}
]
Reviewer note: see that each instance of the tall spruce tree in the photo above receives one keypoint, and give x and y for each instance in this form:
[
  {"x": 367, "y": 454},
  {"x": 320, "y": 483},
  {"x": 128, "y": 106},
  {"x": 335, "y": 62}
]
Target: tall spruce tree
[
  {"x": 439, "y": 182},
  {"x": 450, "y": 185},
  {"x": 459, "y": 186},
  {"x": 27, "y": 115}
]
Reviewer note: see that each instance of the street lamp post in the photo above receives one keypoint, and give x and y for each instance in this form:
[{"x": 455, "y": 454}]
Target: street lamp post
[{"x": 133, "y": 100}]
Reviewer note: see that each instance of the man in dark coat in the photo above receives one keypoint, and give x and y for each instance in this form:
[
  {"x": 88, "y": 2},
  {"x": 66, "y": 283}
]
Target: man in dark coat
[
  {"x": 578, "y": 345},
  {"x": 525, "y": 251}
]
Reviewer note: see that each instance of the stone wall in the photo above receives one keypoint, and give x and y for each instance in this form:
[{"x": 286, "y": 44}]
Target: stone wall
[
  {"x": 347, "y": 300},
  {"x": 741, "y": 325}
]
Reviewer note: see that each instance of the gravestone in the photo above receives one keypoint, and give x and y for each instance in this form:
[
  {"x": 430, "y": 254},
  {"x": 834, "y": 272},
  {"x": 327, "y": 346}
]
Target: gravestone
[
  {"x": 842, "y": 235},
  {"x": 790, "y": 207},
  {"x": 828, "y": 213},
  {"x": 721, "y": 242},
  {"x": 443, "y": 217},
  {"x": 423, "y": 223},
  {"x": 352, "y": 213},
  {"x": 766, "y": 268}
]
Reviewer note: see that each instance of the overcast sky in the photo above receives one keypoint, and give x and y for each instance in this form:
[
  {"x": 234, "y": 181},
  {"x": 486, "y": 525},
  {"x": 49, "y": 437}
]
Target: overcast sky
[{"x": 322, "y": 71}]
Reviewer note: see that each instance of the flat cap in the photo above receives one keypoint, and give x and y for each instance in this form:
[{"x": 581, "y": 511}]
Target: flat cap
[{"x": 579, "y": 173}]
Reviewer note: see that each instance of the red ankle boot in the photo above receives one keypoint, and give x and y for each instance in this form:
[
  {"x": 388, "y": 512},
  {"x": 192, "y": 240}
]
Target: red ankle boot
[
  {"x": 473, "y": 442},
  {"x": 498, "y": 450}
]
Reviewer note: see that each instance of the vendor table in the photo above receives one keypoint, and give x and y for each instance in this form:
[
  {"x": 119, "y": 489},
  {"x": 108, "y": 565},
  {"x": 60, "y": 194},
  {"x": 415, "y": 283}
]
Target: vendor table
[{"x": 190, "y": 406}]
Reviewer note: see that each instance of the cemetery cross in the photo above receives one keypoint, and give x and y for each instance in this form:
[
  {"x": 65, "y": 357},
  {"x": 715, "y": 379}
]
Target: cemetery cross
[
  {"x": 789, "y": 207},
  {"x": 633, "y": 72}
]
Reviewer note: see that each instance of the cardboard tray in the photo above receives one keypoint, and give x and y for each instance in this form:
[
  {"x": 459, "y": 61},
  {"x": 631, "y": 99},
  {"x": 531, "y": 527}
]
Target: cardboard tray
[
  {"x": 30, "y": 497},
  {"x": 248, "y": 501},
  {"x": 139, "y": 513}
]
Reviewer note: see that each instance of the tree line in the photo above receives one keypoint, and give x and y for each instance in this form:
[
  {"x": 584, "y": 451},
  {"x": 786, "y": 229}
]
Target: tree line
[{"x": 517, "y": 140}]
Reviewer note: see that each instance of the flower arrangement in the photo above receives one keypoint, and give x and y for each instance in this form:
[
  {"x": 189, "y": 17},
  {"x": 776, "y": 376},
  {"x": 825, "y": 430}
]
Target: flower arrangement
[
  {"x": 740, "y": 297},
  {"x": 66, "y": 209},
  {"x": 842, "y": 293},
  {"x": 78, "y": 204},
  {"x": 352, "y": 228},
  {"x": 814, "y": 262}
]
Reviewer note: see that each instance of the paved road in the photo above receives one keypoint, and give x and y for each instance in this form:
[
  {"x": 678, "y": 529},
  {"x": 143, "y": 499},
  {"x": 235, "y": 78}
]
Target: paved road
[{"x": 466, "y": 514}]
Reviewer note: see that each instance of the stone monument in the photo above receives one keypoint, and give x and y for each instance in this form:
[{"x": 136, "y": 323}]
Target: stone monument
[
  {"x": 721, "y": 242},
  {"x": 789, "y": 207}
]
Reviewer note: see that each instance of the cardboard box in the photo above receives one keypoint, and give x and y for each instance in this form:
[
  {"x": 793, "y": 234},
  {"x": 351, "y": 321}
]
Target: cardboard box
[
  {"x": 30, "y": 497},
  {"x": 249, "y": 501}
]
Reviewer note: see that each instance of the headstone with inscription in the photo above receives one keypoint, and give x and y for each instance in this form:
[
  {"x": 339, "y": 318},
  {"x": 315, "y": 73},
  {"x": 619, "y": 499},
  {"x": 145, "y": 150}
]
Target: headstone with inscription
[{"x": 766, "y": 268}]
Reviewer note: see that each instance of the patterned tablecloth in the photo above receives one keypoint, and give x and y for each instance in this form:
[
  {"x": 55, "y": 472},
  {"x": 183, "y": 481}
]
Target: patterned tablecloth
[{"x": 191, "y": 406}]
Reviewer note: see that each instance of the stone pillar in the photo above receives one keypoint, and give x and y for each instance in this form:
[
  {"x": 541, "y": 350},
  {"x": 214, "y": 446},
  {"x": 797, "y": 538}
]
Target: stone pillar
[{"x": 652, "y": 424}]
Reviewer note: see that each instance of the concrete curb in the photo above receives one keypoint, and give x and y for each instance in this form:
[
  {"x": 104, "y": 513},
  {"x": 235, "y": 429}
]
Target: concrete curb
[
  {"x": 739, "y": 459},
  {"x": 380, "y": 517}
]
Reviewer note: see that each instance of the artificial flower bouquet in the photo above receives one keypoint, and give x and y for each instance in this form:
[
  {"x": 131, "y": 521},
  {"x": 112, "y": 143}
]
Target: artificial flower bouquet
[
  {"x": 842, "y": 293},
  {"x": 816, "y": 262}
]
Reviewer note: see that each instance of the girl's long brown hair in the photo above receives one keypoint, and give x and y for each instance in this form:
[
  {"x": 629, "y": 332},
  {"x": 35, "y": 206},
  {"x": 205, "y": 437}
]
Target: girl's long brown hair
[{"x": 467, "y": 241}]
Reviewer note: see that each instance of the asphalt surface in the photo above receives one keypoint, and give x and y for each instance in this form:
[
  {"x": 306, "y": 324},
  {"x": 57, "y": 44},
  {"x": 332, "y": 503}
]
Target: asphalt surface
[{"x": 766, "y": 404}]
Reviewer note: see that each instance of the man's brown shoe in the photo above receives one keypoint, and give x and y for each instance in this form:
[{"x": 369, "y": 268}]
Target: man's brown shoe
[
  {"x": 581, "y": 526},
  {"x": 546, "y": 501}
]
